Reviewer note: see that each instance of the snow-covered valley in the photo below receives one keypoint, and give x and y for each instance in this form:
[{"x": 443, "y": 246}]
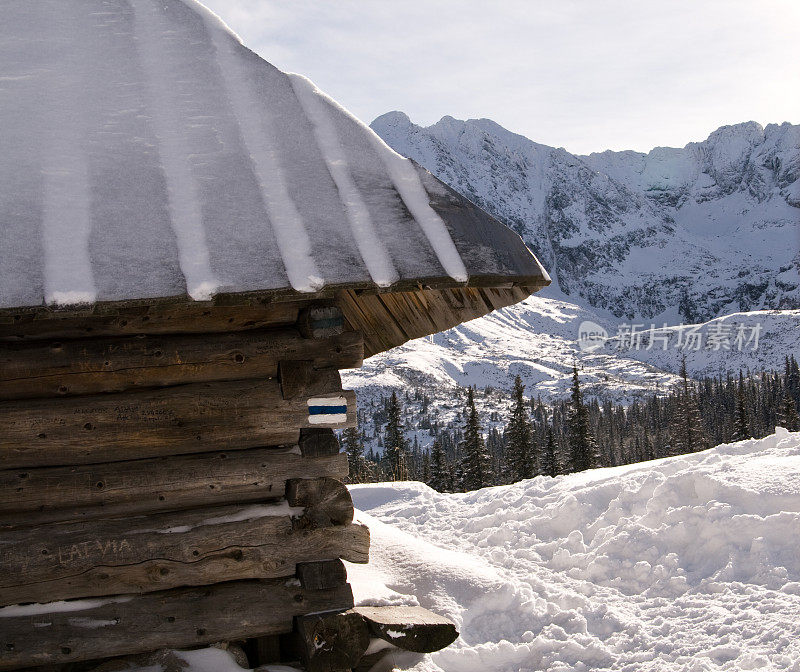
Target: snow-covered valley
[{"x": 682, "y": 564}]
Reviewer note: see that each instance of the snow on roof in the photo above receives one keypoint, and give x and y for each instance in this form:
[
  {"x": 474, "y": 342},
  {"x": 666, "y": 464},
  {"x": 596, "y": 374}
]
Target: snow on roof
[{"x": 148, "y": 153}]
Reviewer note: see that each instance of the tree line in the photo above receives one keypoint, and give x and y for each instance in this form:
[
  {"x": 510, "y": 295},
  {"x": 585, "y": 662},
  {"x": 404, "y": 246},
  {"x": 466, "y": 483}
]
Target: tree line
[{"x": 576, "y": 434}]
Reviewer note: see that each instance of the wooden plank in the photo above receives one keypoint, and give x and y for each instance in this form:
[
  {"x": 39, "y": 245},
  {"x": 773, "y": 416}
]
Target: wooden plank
[
  {"x": 99, "y": 365},
  {"x": 410, "y": 628},
  {"x": 187, "y": 617},
  {"x": 149, "y": 553},
  {"x": 185, "y": 419},
  {"x": 87, "y": 492},
  {"x": 149, "y": 317},
  {"x": 321, "y": 574},
  {"x": 332, "y": 642},
  {"x": 390, "y": 319},
  {"x": 326, "y": 502}
]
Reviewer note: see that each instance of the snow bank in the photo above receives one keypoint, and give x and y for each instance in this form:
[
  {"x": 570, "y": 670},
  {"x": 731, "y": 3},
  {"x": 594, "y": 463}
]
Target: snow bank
[{"x": 687, "y": 563}]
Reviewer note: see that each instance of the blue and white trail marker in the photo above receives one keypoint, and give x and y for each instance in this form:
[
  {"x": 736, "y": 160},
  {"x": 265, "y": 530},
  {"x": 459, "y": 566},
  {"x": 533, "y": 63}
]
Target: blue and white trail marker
[{"x": 327, "y": 410}]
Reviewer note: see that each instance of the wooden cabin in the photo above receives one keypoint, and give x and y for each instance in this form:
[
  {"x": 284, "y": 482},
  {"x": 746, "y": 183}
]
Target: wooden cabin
[{"x": 193, "y": 244}]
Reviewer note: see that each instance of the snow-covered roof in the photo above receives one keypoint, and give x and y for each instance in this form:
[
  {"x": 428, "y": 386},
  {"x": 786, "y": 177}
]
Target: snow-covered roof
[{"x": 147, "y": 153}]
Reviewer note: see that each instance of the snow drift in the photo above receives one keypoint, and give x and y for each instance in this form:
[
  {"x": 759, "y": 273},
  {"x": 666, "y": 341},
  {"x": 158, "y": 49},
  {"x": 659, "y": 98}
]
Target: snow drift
[{"x": 687, "y": 563}]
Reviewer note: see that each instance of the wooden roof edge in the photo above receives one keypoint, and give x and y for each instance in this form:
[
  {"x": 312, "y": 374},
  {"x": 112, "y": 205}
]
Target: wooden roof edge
[{"x": 254, "y": 298}]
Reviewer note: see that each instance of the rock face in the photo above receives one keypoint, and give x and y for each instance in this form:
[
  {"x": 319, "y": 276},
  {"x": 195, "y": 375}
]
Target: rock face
[{"x": 675, "y": 234}]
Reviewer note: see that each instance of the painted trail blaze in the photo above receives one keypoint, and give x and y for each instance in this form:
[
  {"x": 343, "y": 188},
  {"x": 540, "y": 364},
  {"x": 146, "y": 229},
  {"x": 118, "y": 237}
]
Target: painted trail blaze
[{"x": 327, "y": 410}]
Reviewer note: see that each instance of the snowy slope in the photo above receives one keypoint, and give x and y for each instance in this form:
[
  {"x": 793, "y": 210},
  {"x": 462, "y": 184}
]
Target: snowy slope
[
  {"x": 685, "y": 234},
  {"x": 682, "y": 564}
]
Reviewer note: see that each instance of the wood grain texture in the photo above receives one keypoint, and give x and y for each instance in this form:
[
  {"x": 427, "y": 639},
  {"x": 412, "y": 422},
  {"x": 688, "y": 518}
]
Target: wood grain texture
[
  {"x": 99, "y": 365},
  {"x": 332, "y": 642},
  {"x": 186, "y": 617},
  {"x": 326, "y": 502},
  {"x": 150, "y": 553},
  {"x": 321, "y": 574},
  {"x": 185, "y": 419},
  {"x": 148, "y": 316},
  {"x": 390, "y": 319},
  {"x": 87, "y": 492}
]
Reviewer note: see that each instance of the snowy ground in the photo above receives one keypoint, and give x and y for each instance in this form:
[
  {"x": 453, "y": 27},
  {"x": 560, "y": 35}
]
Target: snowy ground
[{"x": 687, "y": 563}]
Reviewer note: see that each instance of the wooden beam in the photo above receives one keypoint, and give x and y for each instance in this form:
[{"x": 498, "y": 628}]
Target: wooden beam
[
  {"x": 87, "y": 492},
  {"x": 317, "y": 442},
  {"x": 326, "y": 501},
  {"x": 152, "y": 316},
  {"x": 186, "y": 419},
  {"x": 321, "y": 574},
  {"x": 320, "y": 321},
  {"x": 186, "y": 617},
  {"x": 409, "y": 628},
  {"x": 332, "y": 642},
  {"x": 150, "y": 553},
  {"x": 294, "y": 377},
  {"x": 99, "y": 365}
]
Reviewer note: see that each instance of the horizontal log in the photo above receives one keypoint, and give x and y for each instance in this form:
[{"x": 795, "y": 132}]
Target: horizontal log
[
  {"x": 150, "y": 317},
  {"x": 98, "y": 365},
  {"x": 86, "y": 492},
  {"x": 150, "y": 553},
  {"x": 188, "y": 617},
  {"x": 410, "y": 628},
  {"x": 321, "y": 574},
  {"x": 195, "y": 418}
]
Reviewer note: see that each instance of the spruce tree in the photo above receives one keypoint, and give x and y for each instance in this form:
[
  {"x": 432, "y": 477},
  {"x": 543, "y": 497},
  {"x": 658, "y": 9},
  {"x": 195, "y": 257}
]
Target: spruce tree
[
  {"x": 549, "y": 461},
  {"x": 787, "y": 416},
  {"x": 439, "y": 477},
  {"x": 741, "y": 427},
  {"x": 583, "y": 450},
  {"x": 687, "y": 430},
  {"x": 520, "y": 455},
  {"x": 354, "y": 446},
  {"x": 476, "y": 461},
  {"x": 394, "y": 441}
]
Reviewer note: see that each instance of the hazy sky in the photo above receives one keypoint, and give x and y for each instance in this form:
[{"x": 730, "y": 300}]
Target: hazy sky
[{"x": 587, "y": 75}]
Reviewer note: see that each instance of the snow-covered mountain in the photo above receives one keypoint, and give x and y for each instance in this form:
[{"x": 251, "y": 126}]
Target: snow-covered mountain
[
  {"x": 701, "y": 236},
  {"x": 678, "y": 234}
]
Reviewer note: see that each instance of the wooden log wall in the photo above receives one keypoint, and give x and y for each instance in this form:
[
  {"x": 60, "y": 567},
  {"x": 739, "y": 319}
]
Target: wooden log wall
[
  {"x": 170, "y": 478},
  {"x": 166, "y": 489}
]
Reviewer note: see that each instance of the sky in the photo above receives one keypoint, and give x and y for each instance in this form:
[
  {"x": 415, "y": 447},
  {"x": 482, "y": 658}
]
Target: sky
[{"x": 586, "y": 75}]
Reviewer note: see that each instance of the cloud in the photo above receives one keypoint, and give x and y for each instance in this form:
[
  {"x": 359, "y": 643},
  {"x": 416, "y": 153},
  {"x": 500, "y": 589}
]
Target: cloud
[{"x": 584, "y": 74}]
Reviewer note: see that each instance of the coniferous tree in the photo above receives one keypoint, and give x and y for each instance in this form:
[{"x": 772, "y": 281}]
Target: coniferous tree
[
  {"x": 520, "y": 454},
  {"x": 394, "y": 441},
  {"x": 787, "y": 416},
  {"x": 354, "y": 446},
  {"x": 687, "y": 430},
  {"x": 439, "y": 477},
  {"x": 549, "y": 461},
  {"x": 583, "y": 450},
  {"x": 476, "y": 461},
  {"x": 741, "y": 427}
]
